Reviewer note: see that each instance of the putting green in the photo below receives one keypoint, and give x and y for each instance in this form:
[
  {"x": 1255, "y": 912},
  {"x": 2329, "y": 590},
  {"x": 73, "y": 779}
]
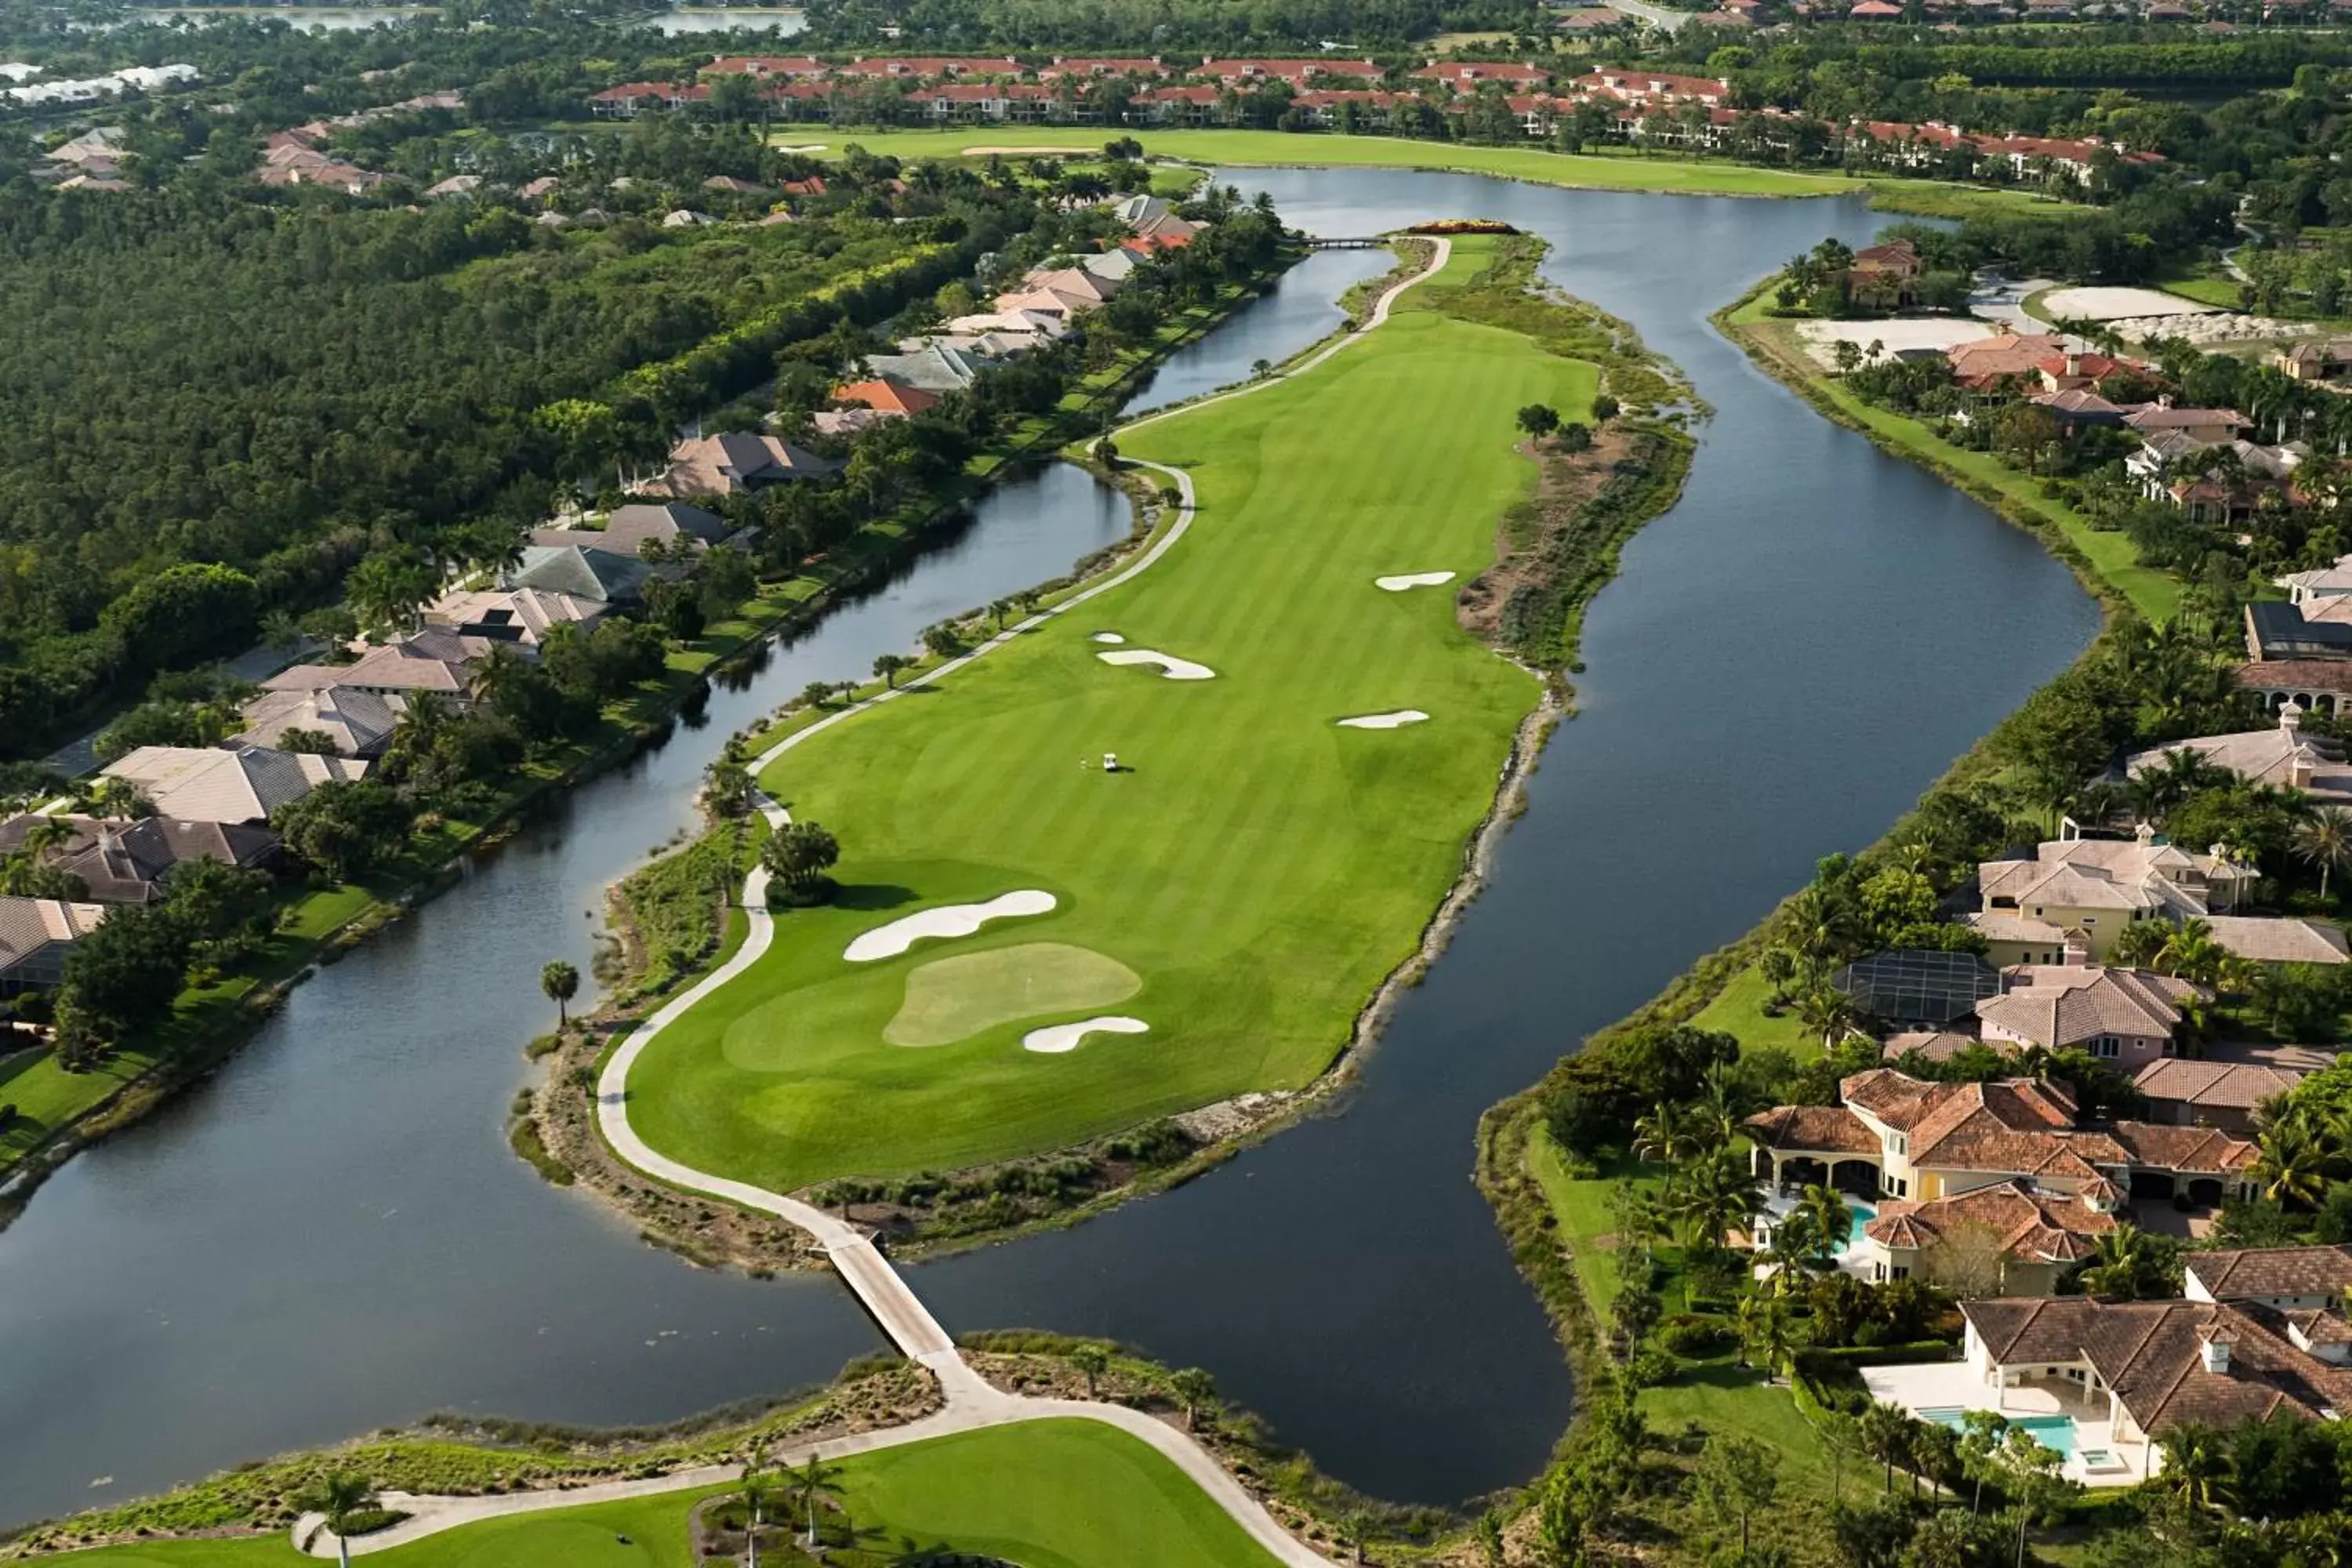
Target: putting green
[
  {"x": 950, "y": 999},
  {"x": 1045, "y": 1494},
  {"x": 1261, "y": 868}
]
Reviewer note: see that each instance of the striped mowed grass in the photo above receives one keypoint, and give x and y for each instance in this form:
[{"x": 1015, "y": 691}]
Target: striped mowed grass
[{"x": 1260, "y": 868}]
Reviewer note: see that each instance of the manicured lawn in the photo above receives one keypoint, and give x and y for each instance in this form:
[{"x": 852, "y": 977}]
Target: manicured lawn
[
  {"x": 1579, "y": 1206},
  {"x": 1259, "y": 867},
  {"x": 1596, "y": 171},
  {"x": 1738, "y": 1009},
  {"x": 1047, "y": 1494}
]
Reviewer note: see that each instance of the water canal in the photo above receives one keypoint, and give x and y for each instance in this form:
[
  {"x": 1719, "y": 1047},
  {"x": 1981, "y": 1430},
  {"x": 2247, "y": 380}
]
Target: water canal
[{"x": 332, "y": 1236}]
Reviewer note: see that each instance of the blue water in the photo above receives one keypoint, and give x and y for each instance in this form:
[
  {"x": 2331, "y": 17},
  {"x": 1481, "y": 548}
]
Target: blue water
[{"x": 2055, "y": 1432}]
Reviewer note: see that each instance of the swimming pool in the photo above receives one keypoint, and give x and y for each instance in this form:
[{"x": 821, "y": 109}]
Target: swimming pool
[{"x": 2055, "y": 1432}]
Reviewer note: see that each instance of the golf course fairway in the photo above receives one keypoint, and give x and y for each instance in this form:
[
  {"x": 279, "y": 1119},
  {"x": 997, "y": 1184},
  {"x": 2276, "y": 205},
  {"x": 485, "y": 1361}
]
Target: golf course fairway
[
  {"x": 1257, "y": 867},
  {"x": 1044, "y": 1494}
]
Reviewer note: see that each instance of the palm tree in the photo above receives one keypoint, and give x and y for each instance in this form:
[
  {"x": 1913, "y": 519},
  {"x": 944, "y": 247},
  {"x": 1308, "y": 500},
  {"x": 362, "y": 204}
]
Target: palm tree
[
  {"x": 1093, "y": 1361},
  {"x": 1355, "y": 1530},
  {"x": 1830, "y": 1216},
  {"x": 1829, "y": 1012},
  {"x": 1195, "y": 1388},
  {"x": 758, "y": 1485},
  {"x": 2191, "y": 952},
  {"x": 887, "y": 666},
  {"x": 108, "y": 796},
  {"x": 1665, "y": 1135},
  {"x": 1765, "y": 1332},
  {"x": 2324, "y": 839},
  {"x": 2196, "y": 1464},
  {"x": 810, "y": 1484},
  {"x": 342, "y": 1495},
  {"x": 560, "y": 982},
  {"x": 2125, "y": 1267},
  {"x": 2292, "y": 1169},
  {"x": 1886, "y": 1435}
]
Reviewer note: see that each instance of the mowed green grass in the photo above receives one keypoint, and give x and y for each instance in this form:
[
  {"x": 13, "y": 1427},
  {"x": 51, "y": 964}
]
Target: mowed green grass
[
  {"x": 1045, "y": 1494},
  {"x": 1582, "y": 170},
  {"x": 1260, "y": 868},
  {"x": 952, "y": 997}
]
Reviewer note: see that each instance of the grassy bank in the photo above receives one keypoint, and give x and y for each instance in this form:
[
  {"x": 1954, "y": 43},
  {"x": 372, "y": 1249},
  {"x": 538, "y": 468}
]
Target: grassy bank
[
  {"x": 1048, "y": 1494},
  {"x": 1617, "y": 170},
  {"x": 58, "y": 1111},
  {"x": 1242, "y": 889}
]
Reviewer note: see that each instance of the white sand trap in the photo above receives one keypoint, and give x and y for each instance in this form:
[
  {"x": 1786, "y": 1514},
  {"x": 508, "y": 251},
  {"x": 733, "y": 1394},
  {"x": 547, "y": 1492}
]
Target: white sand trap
[
  {"x": 1412, "y": 580},
  {"x": 1171, "y": 666},
  {"x": 948, "y": 920},
  {"x": 804, "y": 147},
  {"x": 2112, "y": 304},
  {"x": 1401, "y": 717},
  {"x": 1108, "y": 637},
  {"x": 1023, "y": 151},
  {"x": 1062, "y": 1038}
]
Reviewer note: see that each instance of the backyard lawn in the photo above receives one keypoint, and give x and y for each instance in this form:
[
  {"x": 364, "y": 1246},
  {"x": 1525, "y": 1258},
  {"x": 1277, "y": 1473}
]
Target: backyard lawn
[
  {"x": 1045, "y": 1494},
  {"x": 1258, "y": 868}
]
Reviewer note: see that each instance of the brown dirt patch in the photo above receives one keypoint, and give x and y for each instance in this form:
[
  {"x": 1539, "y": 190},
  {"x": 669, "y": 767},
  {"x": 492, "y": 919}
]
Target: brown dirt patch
[{"x": 1565, "y": 482}]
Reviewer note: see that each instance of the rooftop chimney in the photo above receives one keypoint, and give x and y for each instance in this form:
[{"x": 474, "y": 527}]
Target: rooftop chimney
[
  {"x": 2215, "y": 1350},
  {"x": 2146, "y": 834},
  {"x": 2078, "y": 950}
]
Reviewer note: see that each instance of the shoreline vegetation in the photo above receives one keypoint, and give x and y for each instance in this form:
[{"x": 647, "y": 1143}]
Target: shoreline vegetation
[
  {"x": 1558, "y": 1220},
  {"x": 1629, "y": 170},
  {"x": 213, "y": 1021},
  {"x": 1552, "y": 552},
  {"x": 448, "y": 1454}
]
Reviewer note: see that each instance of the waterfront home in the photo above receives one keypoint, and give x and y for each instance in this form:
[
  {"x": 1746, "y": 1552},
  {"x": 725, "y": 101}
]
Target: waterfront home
[
  {"x": 2225, "y": 1088},
  {"x": 36, "y": 934},
  {"x": 2010, "y": 1238},
  {"x": 585, "y": 572},
  {"x": 1884, "y": 274},
  {"x": 2098, "y": 887},
  {"x": 2290, "y": 1278},
  {"x": 675, "y": 527},
  {"x": 932, "y": 368},
  {"x": 522, "y": 616},
  {"x": 1981, "y": 363},
  {"x": 2283, "y": 756},
  {"x": 434, "y": 660},
  {"x": 2124, "y": 1015},
  {"x": 886, "y": 398},
  {"x": 357, "y": 723},
  {"x": 204, "y": 784},
  {"x": 1904, "y": 1137},
  {"x": 734, "y": 464},
  {"x": 129, "y": 861}
]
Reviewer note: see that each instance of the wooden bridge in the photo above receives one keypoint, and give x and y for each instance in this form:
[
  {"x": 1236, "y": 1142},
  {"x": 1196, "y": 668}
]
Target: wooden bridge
[{"x": 1371, "y": 242}]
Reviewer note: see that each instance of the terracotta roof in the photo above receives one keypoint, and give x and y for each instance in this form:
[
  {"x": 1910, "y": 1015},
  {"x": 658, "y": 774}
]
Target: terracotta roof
[
  {"x": 2273, "y": 1271},
  {"x": 2191, "y": 1151},
  {"x": 2152, "y": 1355},
  {"x": 2278, "y": 940},
  {"x": 2060, "y": 1005},
  {"x": 1936, "y": 1045},
  {"x": 2232, "y": 1086},
  {"x": 1830, "y": 1128},
  {"x": 2041, "y": 1226},
  {"x": 885, "y": 395}
]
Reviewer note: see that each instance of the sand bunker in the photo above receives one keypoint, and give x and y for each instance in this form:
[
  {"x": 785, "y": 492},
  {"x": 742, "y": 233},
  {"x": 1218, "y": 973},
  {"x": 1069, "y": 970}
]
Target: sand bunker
[
  {"x": 948, "y": 920},
  {"x": 1062, "y": 1038},
  {"x": 954, "y": 998},
  {"x": 2114, "y": 304},
  {"x": 1023, "y": 151},
  {"x": 1402, "y": 716},
  {"x": 1108, "y": 638},
  {"x": 1412, "y": 580},
  {"x": 1171, "y": 666}
]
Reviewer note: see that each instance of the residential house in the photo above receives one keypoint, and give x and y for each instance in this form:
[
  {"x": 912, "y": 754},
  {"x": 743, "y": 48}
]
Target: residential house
[
  {"x": 892, "y": 399},
  {"x": 2283, "y": 756},
  {"x": 1885, "y": 274},
  {"x": 1371, "y": 107},
  {"x": 1179, "y": 105},
  {"x": 735, "y": 463},
  {"x": 631, "y": 99},
  {"x": 678, "y": 528},
  {"x": 2095, "y": 889},
  {"x": 2258, "y": 940},
  {"x": 2323, "y": 675},
  {"x": 1099, "y": 69},
  {"x": 2206, "y": 426},
  {"x": 203, "y": 783},
  {"x": 767, "y": 66},
  {"x": 1298, "y": 73},
  {"x": 917, "y": 68},
  {"x": 1469, "y": 76},
  {"x": 1653, "y": 87},
  {"x": 432, "y": 660},
  {"x": 36, "y": 934},
  {"x": 2010, "y": 1237},
  {"x": 585, "y": 572},
  {"x": 131, "y": 861},
  {"x": 1983, "y": 362},
  {"x": 2067, "y": 372},
  {"x": 455, "y": 185},
  {"x": 2128, "y": 1017},
  {"x": 930, "y": 369},
  {"x": 2148, "y": 1366},
  {"x": 2226, "y": 1087},
  {"x": 522, "y": 616},
  {"x": 2330, "y": 582},
  {"x": 359, "y": 723},
  {"x": 2079, "y": 408},
  {"x": 2288, "y": 1279},
  {"x": 1904, "y": 1137},
  {"x": 2318, "y": 360}
]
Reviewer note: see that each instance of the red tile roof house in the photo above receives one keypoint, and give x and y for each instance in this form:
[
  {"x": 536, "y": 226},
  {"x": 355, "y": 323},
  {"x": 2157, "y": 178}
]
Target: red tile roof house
[
  {"x": 766, "y": 66},
  {"x": 1906, "y": 1138},
  {"x": 884, "y": 396},
  {"x": 921, "y": 67},
  {"x": 1299, "y": 73},
  {"x": 1179, "y": 105},
  {"x": 1468, "y": 75},
  {"x": 632, "y": 98},
  {"x": 2127, "y": 1371},
  {"x": 988, "y": 100},
  {"x": 1096, "y": 69},
  {"x": 1653, "y": 87},
  {"x": 1374, "y": 107}
]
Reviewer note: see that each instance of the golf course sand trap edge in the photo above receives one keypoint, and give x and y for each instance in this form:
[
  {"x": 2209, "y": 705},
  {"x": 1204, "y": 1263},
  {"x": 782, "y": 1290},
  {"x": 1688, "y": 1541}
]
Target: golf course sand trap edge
[
  {"x": 1402, "y": 716},
  {"x": 1172, "y": 668},
  {"x": 1057, "y": 1039},
  {"x": 1399, "y": 582},
  {"x": 1108, "y": 638},
  {"x": 948, "y": 920}
]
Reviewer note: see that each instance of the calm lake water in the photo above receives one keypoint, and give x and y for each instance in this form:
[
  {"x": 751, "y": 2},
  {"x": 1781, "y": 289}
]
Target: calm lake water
[{"x": 332, "y": 1236}]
